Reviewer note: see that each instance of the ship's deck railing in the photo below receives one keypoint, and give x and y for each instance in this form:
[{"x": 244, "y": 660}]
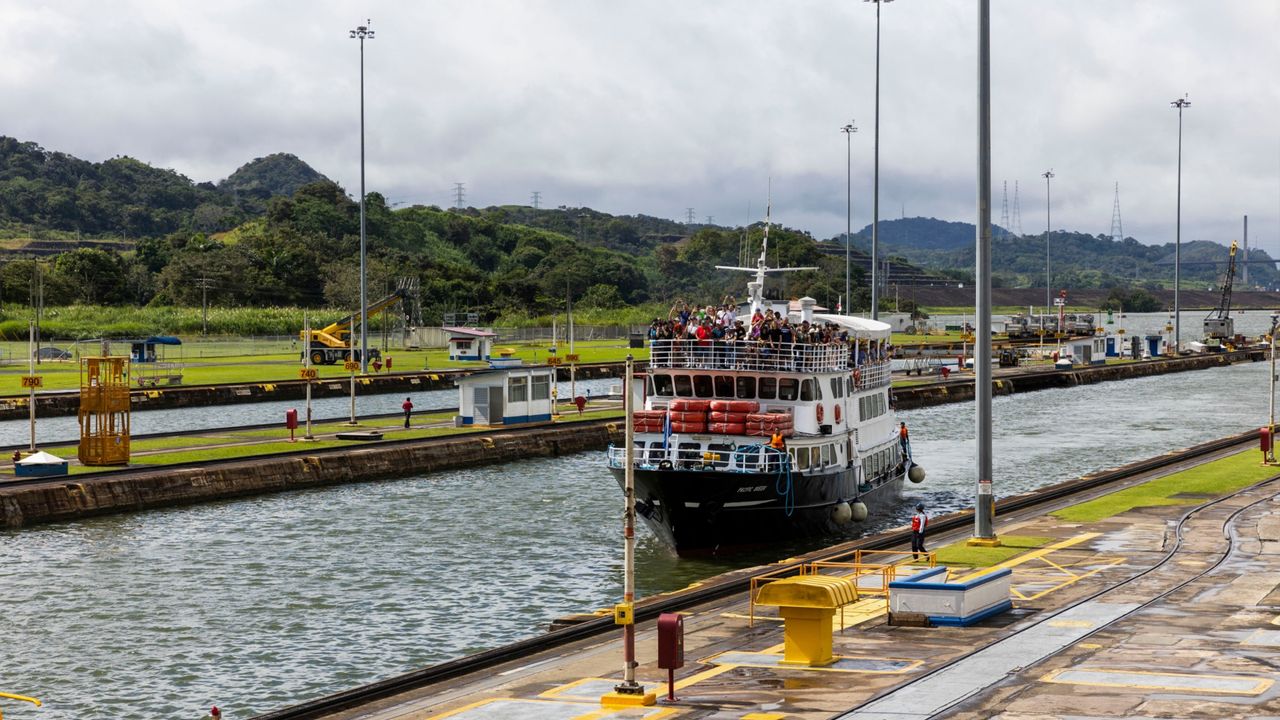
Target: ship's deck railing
[
  {"x": 748, "y": 355},
  {"x": 872, "y": 374},
  {"x": 748, "y": 459}
]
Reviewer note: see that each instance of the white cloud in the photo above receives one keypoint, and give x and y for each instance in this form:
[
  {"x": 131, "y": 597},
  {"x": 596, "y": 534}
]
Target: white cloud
[{"x": 656, "y": 106}]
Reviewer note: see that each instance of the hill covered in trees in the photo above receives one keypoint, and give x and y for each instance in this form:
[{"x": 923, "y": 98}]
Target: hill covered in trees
[{"x": 1078, "y": 260}]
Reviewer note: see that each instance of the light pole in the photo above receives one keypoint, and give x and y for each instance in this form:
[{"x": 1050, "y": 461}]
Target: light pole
[
  {"x": 984, "y": 501},
  {"x": 1048, "y": 225},
  {"x": 1180, "y": 103},
  {"x": 848, "y": 131},
  {"x": 875, "y": 193},
  {"x": 1271, "y": 417},
  {"x": 362, "y": 33}
]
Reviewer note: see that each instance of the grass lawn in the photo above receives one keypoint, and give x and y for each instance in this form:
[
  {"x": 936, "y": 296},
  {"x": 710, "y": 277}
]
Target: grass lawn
[
  {"x": 1010, "y": 545},
  {"x": 1188, "y": 487},
  {"x": 284, "y": 365},
  {"x": 249, "y": 443}
]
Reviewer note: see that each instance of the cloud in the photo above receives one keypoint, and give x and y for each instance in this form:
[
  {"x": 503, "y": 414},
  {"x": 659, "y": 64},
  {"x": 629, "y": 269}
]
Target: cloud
[{"x": 652, "y": 107}]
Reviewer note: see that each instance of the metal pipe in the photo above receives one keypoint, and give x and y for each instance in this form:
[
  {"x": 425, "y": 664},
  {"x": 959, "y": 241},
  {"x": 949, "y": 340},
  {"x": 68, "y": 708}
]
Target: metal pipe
[
  {"x": 1271, "y": 412},
  {"x": 1180, "y": 103},
  {"x": 984, "y": 506},
  {"x": 875, "y": 195},
  {"x": 31, "y": 372}
]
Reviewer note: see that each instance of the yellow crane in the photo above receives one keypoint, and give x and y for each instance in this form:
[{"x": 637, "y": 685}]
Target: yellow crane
[{"x": 332, "y": 343}]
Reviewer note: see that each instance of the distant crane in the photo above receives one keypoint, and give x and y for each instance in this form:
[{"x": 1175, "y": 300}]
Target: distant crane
[{"x": 1219, "y": 325}]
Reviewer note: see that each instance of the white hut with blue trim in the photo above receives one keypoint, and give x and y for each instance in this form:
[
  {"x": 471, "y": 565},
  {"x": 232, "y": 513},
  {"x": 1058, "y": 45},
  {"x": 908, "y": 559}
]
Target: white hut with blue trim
[{"x": 507, "y": 394}]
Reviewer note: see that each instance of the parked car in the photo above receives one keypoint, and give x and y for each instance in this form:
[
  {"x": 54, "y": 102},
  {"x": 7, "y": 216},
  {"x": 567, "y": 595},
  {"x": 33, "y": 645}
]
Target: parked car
[{"x": 52, "y": 353}]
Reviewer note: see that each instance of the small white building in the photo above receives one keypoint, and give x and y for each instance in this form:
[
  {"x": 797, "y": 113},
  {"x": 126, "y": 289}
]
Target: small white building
[
  {"x": 1087, "y": 351},
  {"x": 470, "y": 343},
  {"x": 507, "y": 395}
]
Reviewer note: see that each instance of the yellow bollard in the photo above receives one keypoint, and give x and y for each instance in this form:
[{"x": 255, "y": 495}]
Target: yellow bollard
[{"x": 807, "y": 605}]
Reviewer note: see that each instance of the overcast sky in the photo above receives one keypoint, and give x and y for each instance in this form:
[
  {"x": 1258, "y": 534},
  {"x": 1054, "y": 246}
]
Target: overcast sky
[{"x": 655, "y": 106}]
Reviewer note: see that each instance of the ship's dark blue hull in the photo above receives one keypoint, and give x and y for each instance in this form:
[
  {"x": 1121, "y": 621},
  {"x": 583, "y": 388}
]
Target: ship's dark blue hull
[{"x": 699, "y": 512}]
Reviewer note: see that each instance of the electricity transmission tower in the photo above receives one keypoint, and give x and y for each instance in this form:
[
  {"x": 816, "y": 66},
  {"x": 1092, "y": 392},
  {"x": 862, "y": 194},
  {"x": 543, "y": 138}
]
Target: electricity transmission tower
[
  {"x": 1004, "y": 210},
  {"x": 1117, "y": 228},
  {"x": 688, "y": 216},
  {"x": 1017, "y": 212},
  {"x": 459, "y": 192},
  {"x": 537, "y": 200}
]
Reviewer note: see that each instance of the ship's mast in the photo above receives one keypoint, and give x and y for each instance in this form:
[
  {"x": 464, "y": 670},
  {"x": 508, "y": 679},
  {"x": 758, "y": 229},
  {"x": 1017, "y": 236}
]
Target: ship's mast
[{"x": 755, "y": 288}]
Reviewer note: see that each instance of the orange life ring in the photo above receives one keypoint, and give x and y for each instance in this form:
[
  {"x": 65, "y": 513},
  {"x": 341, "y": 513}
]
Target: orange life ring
[
  {"x": 857, "y": 378},
  {"x": 819, "y": 412},
  {"x": 837, "y": 412}
]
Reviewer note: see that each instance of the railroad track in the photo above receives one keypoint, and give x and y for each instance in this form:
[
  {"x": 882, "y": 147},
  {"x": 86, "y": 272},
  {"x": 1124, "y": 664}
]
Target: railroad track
[
  {"x": 418, "y": 679},
  {"x": 1228, "y": 531}
]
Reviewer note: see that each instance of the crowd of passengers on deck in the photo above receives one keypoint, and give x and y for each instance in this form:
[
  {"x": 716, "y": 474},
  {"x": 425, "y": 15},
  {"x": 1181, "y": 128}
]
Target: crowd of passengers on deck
[{"x": 714, "y": 336}]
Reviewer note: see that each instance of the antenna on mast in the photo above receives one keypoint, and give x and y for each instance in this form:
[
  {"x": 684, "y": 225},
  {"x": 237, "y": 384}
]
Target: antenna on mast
[{"x": 755, "y": 288}]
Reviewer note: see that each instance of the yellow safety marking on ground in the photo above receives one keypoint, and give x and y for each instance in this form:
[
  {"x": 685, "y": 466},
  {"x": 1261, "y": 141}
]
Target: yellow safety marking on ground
[
  {"x": 777, "y": 651},
  {"x": 1033, "y": 555},
  {"x": 1275, "y": 620},
  {"x": 696, "y": 678},
  {"x": 1259, "y": 685},
  {"x": 763, "y": 716},
  {"x": 740, "y": 616},
  {"x": 434, "y": 376},
  {"x": 859, "y": 612},
  {"x": 1072, "y": 578},
  {"x": 593, "y": 714},
  {"x": 1090, "y": 646}
]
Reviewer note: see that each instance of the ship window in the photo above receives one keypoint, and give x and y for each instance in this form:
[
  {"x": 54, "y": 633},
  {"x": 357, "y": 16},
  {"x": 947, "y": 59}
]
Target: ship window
[
  {"x": 768, "y": 388},
  {"x": 746, "y": 388},
  {"x": 837, "y": 388},
  {"x": 788, "y": 388},
  {"x": 848, "y": 385},
  {"x": 724, "y": 386},
  {"x": 542, "y": 387},
  {"x": 662, "y": 385},
  {"x": 690, "y": 452},
  {"x": 826, "y": 454},
  {"x": 702, "y": 386},
  {"x": 517, "y": 390},
  {"x": 684, "y": 387},
  {"x": 721, "y": 454},
  {"x": 802, "y": 458},
  {"x": 806, "y": 390},
  {"x": 817, "y": 388},
  {"x": 656, "y": 453}
]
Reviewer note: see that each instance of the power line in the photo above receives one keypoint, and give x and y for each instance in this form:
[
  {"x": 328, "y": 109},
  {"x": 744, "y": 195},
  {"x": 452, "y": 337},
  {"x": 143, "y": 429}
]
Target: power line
[{"x": 459, "y": 193}]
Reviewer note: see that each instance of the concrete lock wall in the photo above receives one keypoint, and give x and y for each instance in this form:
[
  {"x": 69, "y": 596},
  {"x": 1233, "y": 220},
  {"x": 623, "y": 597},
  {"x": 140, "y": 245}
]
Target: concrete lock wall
[{"x": 77, "y": 497}]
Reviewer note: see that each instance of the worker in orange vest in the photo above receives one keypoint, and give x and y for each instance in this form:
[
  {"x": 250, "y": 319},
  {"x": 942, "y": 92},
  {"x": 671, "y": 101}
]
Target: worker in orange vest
[
  {"x": 776, "y": 442},
  {"x": 919, "y": 522}
]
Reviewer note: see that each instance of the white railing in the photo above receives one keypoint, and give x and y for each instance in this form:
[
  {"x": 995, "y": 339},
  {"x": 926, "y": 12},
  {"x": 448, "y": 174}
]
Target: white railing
[
  {"x": 873, "y": 375},
  {"x": 749, "y": 459},
  {"x": 748, "y": 355}
]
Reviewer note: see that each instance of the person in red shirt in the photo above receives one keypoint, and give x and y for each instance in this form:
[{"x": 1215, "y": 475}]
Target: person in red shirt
[
  {"x": 919, "y": 522},
  {"x": 407, "y": 407}
]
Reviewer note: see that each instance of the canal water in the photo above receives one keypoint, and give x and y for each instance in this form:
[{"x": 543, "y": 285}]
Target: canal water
[{"x": 261, "y": 602}]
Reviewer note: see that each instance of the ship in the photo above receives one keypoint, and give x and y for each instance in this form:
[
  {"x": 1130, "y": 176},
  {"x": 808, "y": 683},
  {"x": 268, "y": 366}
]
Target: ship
[{"x": 708, "y": 476}]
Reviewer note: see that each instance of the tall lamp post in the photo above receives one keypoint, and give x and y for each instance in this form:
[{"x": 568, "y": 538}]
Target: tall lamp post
[
  {"x": 984, "y": 501},
  {"x": 875, "y": 193},
  {"x": 1180, "y": 103},
  {"x": 1048, "y": 225},
  {"x": 363, "y": 33},
  {"x": 848, "y": 131},
  {"x": 1271, "y": 417}
]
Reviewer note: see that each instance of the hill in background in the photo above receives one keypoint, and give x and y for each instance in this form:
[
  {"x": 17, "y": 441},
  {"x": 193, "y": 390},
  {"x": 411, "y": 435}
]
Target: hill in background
[{"x": 275, "y": 174}]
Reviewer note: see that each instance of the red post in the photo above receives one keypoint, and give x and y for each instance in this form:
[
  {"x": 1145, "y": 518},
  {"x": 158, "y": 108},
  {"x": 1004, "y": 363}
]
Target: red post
[{"x": 1264, "y": 442}]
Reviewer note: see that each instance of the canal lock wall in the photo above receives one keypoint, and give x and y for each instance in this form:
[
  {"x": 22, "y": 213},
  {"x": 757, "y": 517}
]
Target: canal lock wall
[{"x": 71, "y": 498}]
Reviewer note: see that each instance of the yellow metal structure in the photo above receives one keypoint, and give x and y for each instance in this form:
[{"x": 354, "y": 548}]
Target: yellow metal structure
[
  {"x": 332, "y": 342},
  {"x": 624, "y": 614},
  {"x": 104, "y": 411},
  {"x": 23, "y": 698},
  {"x": 807, "y": 604}
]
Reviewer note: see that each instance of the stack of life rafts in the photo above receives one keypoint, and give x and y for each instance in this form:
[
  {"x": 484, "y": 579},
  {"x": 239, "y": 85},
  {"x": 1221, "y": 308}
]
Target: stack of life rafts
[{"x": 721, "y": 417}]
